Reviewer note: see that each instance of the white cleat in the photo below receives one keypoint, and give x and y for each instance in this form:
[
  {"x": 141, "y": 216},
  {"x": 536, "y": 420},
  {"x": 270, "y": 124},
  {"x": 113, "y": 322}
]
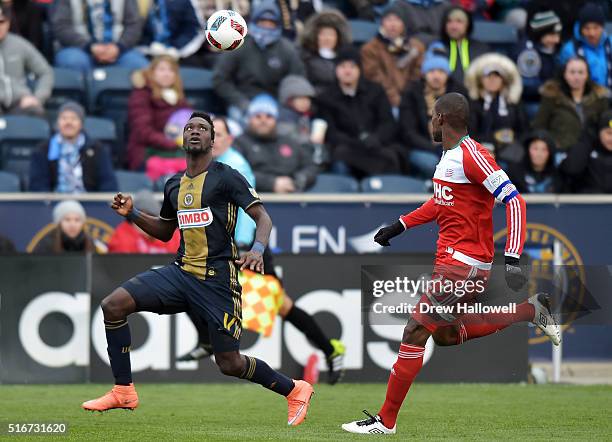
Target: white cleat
[
  {"x": 544, "y": 318},
  {"x": 372, "y": 425}
]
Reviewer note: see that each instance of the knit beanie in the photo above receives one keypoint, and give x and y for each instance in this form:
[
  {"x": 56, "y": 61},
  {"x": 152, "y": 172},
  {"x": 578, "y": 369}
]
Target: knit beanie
[{"x": 66, "y": 207}]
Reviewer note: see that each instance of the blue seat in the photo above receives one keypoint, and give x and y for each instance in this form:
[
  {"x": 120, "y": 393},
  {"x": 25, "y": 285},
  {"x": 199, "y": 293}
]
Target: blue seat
[
  {"x": 20, "y": 135},
  {"x": 497, "y": 35},
  {"x": 160, "y": 183},
  {"x": 9, "y": 182},
  {"x": 68, "y": 85},
  {"x": 363, "y": 31},
  {"x": 132, "y": 181},
  {"x": 102, "y": 129},
  {"x": 608, "y": 27},
  {"x": 330, "y": 183},
  {"x": 199, "y": 90},
  {"x": 392, "y": 184}
]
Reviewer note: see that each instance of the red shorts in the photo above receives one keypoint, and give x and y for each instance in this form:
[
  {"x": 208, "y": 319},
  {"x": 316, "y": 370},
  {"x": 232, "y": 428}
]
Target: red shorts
[{"x": 453, "y": 284}]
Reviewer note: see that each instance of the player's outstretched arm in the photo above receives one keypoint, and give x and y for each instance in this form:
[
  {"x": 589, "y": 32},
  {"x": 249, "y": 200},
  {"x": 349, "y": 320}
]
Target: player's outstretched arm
[
  {"x": 152, "y": 225},
  {"x": 253, "y": 259},
  {"x": 424, "y": 214}
]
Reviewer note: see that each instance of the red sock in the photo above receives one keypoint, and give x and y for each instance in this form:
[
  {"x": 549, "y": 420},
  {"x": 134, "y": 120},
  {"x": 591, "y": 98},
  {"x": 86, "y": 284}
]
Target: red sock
[
  {"x": 408, "y": 364},
  {"x": 477, "y": 325}
]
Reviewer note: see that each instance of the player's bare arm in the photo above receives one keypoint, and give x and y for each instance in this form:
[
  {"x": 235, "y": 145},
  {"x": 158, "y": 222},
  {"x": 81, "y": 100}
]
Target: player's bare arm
[
  {"x": 152, "y": 225},
  {"x": 253, "y": 259}
]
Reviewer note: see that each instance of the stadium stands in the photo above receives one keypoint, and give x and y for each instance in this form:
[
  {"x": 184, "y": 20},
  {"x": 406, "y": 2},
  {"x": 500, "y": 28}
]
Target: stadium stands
[
  {"x": 9, "y": 182},
  {"x": 329, "y": 183},
  {"x": 392, "y": 184},
  {"x": 132, "y": 181}
]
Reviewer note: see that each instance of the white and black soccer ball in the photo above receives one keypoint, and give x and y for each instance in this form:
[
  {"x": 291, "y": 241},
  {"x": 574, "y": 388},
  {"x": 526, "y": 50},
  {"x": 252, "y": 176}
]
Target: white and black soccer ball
[{"x": 225, "y": 30}]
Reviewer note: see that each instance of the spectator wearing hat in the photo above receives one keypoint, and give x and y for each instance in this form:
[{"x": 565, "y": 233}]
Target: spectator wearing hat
[
  {"x": 361, "y": 134},
  {"x": 100, "y": 33},
  {"x": 20, "y": 59},
  {"x": 462, "y": 49},
  {"x": 591, "y": 42},
  {"x": 536, "y": 55},
  {"x": 280, "y": 163},
  {"x": 259, "y": 66},
  {"x": 323, "y": 34},
  {"x": 71, "y": 162},
  {"x": 417, "y": 106},
  {"x": 69, "y": 234},
  {"x": 391, "y": 58},
  {"x": 129, "y": 238},
  {"x": 295, "y": 98},
  {"x": 537, "y": 173},
  {"x": 588, "y": 165},
  {"x": 570, "y": 103},
  {"x": 497, "y": 119}
]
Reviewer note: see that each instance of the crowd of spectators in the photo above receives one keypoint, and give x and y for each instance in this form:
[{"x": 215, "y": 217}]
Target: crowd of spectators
[{"x": 300, "y": 97}]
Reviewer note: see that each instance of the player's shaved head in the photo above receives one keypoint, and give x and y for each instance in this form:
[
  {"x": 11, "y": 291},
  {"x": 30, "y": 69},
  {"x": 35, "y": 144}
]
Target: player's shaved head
[{"x": 455, "y": 109}]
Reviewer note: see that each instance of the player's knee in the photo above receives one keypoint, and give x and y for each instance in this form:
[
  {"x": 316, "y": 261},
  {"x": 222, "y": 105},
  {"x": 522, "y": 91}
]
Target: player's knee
[
  {"x": 445, "y": 336},
  {"x": 112, "y": 307},
  {"x": 415, "y": 333},
  {"x": 230, "y": 365}
]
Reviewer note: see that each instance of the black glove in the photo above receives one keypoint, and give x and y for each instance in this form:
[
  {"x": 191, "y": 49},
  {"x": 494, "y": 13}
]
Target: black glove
[
  {"x": 515, "y": 277},
  {"x": 383, "y": 236}
]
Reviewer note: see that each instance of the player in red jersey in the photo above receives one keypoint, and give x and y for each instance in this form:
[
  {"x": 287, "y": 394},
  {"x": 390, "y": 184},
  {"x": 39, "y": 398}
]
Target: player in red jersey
[{"x": 467, "y": 181}]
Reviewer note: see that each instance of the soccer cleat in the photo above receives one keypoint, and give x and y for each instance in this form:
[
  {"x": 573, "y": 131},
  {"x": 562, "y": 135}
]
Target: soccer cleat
[
  {"x": 544, "y": 318},
  {"x": 372, "y": 425},
  {"x": 298, "y": 402},
  {"x": 121, "y": 396},
  {"x": 335, "y": 362},
  {"x": 199, "y": 352}
]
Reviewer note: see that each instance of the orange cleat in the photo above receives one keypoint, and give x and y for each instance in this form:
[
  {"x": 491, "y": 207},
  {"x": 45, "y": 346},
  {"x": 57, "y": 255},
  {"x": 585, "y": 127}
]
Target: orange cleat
[
  {"x": 121, "y": 396},
  {"x": 299, "y": 401}
]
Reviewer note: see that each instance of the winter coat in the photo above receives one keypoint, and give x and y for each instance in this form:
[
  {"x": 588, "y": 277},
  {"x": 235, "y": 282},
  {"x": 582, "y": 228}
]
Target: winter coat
[
  {"x": 57, "y": 242},
  {"x": 557, "y": 113},
  {"x": 240, "y": 75},
  {"x": 98, "y": 173},
  {"x": 595, "y": 55},
  {"x": 19, "y": 60},
  {"x": 475, "y": 48},
  {"x": 127, "y": 238},
  {"x": 321, "y": 72},
  {"x": 381, "y": 66},
  {"x": 491, "y": 126},
  {"x": 423, "y": 21},
  {"x": 589, "y": 165},
  {"x": 361, "y": 129},
  {"x": 414, "y": 121},
  {"x": 147, "y": 117},
  {"x": 528, "y": 180},
  {"x": 535, "y": 67},
  {"x": 186, "y": 32},
  {"x": 278, "y": 155},
  {"x": 69, "y": 23}
]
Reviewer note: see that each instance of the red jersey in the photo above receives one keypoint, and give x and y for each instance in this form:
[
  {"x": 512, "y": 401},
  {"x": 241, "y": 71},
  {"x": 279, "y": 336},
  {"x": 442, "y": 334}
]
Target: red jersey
[
  {"x": 466, "y": 183},
  {"x": 128, "y": 238}
]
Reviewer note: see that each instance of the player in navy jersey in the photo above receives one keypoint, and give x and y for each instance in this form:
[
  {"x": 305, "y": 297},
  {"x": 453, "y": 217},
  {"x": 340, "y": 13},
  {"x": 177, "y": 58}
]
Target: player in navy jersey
[{"x": 203, "y": 203}]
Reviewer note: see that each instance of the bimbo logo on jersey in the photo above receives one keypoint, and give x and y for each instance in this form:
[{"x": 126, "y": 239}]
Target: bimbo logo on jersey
[
  {"x": 443, "y": 193},
  {"x": 188, "y": 219}
]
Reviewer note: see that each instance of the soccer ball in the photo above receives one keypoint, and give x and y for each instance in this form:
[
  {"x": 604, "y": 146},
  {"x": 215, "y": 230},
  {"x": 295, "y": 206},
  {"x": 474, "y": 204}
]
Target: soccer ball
[{"x": 225, "y": 30}]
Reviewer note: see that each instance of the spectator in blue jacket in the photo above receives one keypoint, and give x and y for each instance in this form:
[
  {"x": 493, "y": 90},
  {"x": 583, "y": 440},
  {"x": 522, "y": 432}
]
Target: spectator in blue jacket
[
  {"x": 591, "y": 42},
  {"x": 173, "y": 28},
  {"x": 70, "y": 162},
  {"x": 226, "y": 154},
  {"x": 536, "y": 57}
]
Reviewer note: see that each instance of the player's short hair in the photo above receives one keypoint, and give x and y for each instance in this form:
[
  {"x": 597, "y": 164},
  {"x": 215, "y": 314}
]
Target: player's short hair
[
  {"x": 455, "y": 108},
  {"x": 206, "y": 117}
]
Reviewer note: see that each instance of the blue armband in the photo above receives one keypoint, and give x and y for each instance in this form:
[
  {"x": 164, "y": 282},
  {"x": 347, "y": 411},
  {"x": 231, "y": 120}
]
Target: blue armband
[
  {"x": 258, "y": 247},
  {"x": 135, "y": 213}
]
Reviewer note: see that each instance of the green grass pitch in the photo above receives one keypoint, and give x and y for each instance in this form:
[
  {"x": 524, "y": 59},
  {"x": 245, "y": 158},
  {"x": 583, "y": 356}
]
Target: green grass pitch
[{"x": 248, "y": 412}]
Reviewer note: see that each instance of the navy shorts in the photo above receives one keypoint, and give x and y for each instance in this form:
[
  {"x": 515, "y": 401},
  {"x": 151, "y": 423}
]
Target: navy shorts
[{"x": 214, "y": 300}]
